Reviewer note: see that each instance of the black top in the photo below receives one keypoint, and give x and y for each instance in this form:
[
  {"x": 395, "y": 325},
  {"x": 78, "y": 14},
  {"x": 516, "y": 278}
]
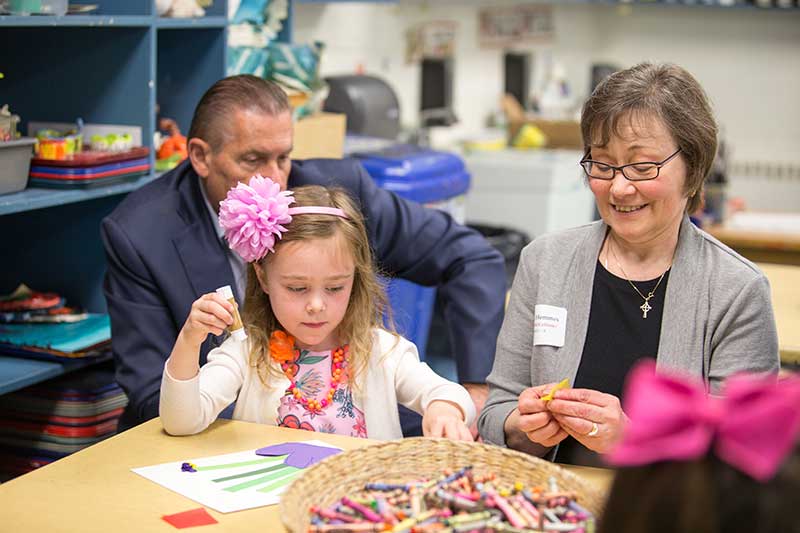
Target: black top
[{"x": 616, "y": 338}]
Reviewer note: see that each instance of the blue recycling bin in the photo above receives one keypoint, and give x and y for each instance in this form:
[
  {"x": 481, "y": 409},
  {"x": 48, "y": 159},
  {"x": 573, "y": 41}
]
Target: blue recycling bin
[{"x": 437, "y": 180}]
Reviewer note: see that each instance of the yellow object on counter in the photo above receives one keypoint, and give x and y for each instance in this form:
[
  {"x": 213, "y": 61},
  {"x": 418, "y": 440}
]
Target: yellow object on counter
[
  {"x": 529, "y": 136},
  {"x": 485, "y": 145}
]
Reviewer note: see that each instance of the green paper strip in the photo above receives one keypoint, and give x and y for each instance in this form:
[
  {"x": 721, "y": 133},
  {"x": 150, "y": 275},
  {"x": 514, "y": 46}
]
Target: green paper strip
[
  {"x": 251, "y": 473},
  {"x": 281, "y": 482},
  {"x": 263, "y": 479},
  {"x": 244, "y": 463}
]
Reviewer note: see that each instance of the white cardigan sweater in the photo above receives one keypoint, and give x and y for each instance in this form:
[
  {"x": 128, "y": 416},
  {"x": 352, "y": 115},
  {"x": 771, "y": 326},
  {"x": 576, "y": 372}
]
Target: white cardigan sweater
[{"x": 394, "y": 375}]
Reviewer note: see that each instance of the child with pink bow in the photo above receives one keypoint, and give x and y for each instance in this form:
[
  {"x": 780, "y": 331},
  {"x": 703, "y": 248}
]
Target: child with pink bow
[
  {"x": 703, "y": 464},
  {"x": 317, "y": 355}
]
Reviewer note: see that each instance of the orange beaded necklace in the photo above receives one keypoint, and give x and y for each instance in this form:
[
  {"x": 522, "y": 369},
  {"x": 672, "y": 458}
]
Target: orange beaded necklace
[{"x": 283, "y": 351}]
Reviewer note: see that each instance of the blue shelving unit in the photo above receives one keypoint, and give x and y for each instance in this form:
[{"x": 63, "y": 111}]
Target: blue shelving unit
[
  {"x": 18, "y": 373},
  {"x": 120, "y": 21},
  {"x": 39, "y": 198},
  {"x": 110, "y": 67},
  {"x": 183, "y": 24}
]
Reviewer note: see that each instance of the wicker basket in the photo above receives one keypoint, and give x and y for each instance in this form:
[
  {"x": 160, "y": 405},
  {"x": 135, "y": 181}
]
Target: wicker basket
[{"x": 407, "y": 459}]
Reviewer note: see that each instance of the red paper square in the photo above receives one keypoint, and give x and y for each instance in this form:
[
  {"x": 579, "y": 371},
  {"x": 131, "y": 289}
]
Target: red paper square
[{"x": 195, "y": 517}]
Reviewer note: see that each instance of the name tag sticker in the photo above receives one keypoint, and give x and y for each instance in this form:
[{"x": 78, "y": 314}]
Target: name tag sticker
[{"x": 549, "y": 325}]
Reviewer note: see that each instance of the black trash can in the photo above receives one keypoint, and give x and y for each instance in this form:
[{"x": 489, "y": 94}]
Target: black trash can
[{"x": 509, "y": 242}]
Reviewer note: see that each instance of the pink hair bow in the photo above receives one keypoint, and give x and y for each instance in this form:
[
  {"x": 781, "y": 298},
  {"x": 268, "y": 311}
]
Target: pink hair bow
[
  {"x": 753, "y": 427},
  {"x": 252, "y": 217}
]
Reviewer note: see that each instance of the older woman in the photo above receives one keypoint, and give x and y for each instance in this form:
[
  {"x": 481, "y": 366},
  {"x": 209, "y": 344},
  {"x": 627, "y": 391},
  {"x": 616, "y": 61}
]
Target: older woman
[{"x": 588, "y": 302}]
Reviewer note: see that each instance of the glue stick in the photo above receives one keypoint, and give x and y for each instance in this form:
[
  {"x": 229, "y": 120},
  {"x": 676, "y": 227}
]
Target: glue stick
[{"x": 236, "y": 329}]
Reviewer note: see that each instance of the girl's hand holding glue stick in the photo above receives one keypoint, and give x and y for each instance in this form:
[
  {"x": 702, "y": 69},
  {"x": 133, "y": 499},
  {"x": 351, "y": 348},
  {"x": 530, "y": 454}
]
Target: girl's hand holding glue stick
[{"x": 211, "y": 313}]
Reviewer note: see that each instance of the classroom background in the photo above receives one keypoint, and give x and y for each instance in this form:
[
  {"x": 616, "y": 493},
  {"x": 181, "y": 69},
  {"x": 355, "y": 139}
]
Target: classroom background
[{"x": 90, "y": 84}]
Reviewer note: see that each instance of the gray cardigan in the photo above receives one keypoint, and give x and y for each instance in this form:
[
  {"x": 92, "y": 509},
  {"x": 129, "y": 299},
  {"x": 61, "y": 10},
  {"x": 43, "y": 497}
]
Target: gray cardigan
[{"x": 717, "y": 317}]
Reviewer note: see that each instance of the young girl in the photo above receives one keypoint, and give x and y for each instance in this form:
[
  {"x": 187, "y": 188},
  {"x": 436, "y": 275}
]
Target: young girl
[
  {"x": 690, "y": 462},
  {"x": 316, "y": 356}
]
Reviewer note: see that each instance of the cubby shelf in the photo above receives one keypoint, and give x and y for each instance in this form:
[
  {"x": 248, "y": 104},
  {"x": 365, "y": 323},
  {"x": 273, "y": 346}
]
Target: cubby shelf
[{"x": 114, "y": 66}]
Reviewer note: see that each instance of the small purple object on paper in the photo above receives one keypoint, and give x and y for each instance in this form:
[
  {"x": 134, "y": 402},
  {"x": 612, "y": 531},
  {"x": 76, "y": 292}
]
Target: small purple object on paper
[
  {"x": 188, "y": 467},
  {"x": 300, "y": 454}
]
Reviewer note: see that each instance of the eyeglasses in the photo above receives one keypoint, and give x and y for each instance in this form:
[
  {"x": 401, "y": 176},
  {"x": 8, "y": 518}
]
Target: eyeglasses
[{"x": 641, "y": 171}]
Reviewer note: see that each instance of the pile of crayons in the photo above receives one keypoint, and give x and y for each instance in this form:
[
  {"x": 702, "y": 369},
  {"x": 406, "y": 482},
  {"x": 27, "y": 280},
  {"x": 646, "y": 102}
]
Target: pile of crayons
[{"x": 458, "y": 502}]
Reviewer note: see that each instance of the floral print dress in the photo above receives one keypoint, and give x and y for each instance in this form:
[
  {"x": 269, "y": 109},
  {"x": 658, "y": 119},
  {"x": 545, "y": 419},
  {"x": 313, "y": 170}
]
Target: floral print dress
[{"x": 313, "y": 372}]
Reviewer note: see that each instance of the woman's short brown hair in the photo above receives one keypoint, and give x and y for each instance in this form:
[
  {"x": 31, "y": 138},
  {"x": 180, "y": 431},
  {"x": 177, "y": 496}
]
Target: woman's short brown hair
[{"x": 666, "y": 92}]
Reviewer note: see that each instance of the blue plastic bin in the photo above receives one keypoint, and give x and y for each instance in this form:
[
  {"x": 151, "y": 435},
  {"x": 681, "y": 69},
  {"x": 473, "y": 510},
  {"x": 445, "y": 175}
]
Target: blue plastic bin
[{"x": 437, "y": 180}]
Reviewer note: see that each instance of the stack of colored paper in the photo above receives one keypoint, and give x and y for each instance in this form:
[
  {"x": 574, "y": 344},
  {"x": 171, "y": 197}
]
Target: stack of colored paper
[
  {"x": 90, "y": 337},
  {"x": 47, "y": 421},
  {"x": 39, "y": 325}
]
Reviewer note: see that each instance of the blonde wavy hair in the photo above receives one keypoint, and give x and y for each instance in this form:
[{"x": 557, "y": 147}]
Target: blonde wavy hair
[{"x": 368, "y": 302}]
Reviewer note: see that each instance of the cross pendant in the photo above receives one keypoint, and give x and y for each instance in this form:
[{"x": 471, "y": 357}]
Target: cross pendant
[{"x": 645, "y": 307}]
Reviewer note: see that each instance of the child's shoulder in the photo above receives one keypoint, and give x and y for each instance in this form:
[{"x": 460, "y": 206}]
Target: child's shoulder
[
  {"x": 386, "y": 342},
  {"x": 381, "y": 337}
]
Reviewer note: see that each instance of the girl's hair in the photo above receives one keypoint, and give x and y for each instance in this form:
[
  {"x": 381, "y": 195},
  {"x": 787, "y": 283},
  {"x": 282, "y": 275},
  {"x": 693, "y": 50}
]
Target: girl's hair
[
  {"x": 702, "y": 496},
  {"x": 368, "y": 301},
  {"x": 666, "y": 92}
]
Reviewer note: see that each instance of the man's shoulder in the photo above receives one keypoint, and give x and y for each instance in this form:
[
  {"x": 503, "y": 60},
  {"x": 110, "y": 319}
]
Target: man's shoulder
[
  {"x": 154, "y": 200},
  {"x": 342, "y": 172}
]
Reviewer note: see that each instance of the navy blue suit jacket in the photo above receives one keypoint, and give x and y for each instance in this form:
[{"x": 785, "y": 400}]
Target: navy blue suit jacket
[{"x": 163, "y": 254}]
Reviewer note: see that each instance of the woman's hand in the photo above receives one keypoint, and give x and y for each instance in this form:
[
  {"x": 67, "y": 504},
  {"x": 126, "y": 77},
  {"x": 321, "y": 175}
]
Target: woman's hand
[
  {"x": 533, "y": 418},
  {"x": 593, "y": 418},
  {"x": 445, "y": 419},
  {"x": 209, "y": 314}
]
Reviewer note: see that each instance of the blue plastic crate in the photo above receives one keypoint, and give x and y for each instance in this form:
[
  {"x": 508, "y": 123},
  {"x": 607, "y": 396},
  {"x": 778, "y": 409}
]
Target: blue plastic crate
[{"x": 427, "y": 177}]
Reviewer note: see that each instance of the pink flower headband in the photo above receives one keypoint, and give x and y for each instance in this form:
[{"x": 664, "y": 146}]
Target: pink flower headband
[
  {"x": 753, "y": 427},
  {"x": 252, "y": 216}
]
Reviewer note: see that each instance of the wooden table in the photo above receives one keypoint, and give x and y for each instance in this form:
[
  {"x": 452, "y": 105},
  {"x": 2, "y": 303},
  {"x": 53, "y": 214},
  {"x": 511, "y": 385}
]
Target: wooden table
[
  {"x": 784, "y": 281},
  {"x": 95, "y": 490},
  {"x": 761, "y": 246}
]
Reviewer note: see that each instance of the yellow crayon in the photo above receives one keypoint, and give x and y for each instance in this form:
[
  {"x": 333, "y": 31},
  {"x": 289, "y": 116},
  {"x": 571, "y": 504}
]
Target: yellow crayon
[{"x": 563, "y": 384}]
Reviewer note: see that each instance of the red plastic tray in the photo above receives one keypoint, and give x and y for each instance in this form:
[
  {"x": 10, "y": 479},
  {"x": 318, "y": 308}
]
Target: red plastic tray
[{"x": 89, "y": 158}]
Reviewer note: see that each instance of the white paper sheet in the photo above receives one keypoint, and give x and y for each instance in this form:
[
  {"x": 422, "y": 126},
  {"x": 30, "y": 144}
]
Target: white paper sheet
[{"x": 230, "y": 482}]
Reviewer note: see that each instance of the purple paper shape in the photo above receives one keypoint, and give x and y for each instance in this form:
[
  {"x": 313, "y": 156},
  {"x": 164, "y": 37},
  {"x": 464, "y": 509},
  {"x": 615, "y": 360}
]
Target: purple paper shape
[{"x": 300, "y": 454}]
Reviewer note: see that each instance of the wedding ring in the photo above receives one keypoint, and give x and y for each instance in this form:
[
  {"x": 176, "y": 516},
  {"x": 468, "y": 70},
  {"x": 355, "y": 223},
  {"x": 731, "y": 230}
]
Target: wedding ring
[{"x": 594, "y": 430}]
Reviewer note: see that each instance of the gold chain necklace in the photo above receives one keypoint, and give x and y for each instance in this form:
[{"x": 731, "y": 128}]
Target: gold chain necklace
[{"x": 645, "y": 307}]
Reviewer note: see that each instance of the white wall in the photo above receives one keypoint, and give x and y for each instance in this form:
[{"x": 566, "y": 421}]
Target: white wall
[{"x": 748, "y": 60}]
